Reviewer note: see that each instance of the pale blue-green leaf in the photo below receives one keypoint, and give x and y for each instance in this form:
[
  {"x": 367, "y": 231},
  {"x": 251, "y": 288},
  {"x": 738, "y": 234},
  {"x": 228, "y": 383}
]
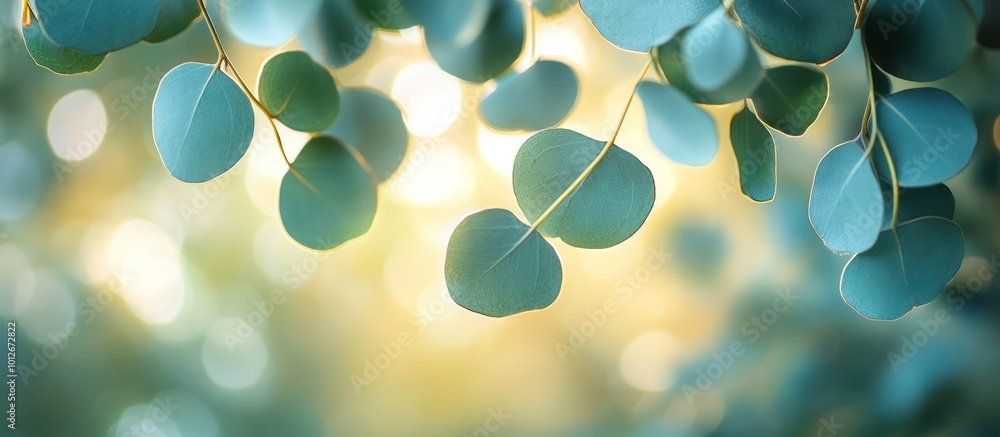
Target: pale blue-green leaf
[
  {"x": 491, "y": 52},
  {"x": 96, "y": 27},
  {"x": 906, "y": 268},
  {"x": 496, "y": 268},
  {"x": 914, "y": 203},
  {"x": 755, "y": 156},
  {"x": 791, "y": 97},
  {"x": 298, "y": 92},
  {"x": 674, "y": 66},
  {"x": 372, "y": 124},
  {"x": 271, "y": 23},
  {"x": 919, "y": 41},
  {"x": 334, "y": 201},
  {"x": 846, "y": 207},
  {"x": 536, "y": 99},
  {"x": 638, "y": 25},
  {"x": 716, "y": 51},
  {"x": 930, "y": 136},
  {"x": 175, "y": 16},
  {"x": 202, "y": 122},
  {"x": 813, "y": 31},
  {"x": 337, "y": 34},
  {"x": 606, "y": 209},
  {"x": 458, "y": 21},
  {"x": 56, "y": 59},
  {"x": 681, "y": 130}
]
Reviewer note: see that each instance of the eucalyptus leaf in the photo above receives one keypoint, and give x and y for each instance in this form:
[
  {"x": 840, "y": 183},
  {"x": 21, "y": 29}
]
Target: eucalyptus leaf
[
  {"x": 457, "y": 21},
  {"x": 536, "y": 99},
  {"x": 490, "y": 53},
  {"x": 271, "y": 23},
  {"x": 914, "y": 203},
  {"x": 716, "y": 51},
  {"x": 298, "y": 92},
  {"x": 906, "y": 268},
  {"x": 815, "y": 31},
  {"x": 175, "y": 16},
  {"x": 609, "y": 206},
  {"x": 929, "y": 133},
  {"x": 373, "y": 125},
  {"x": 680, "y": 129},
  {"x": 333, "y": 198},
  {"x": 551, "y": 8},
  {"x": 96, "y": 27},
  {"x": 202, "y": 122},
  {"x": 496, "y": 267},
  {"x": 755, "y": 155},
  {"x": 674, "y": 65},
  {"x": 791, "y": 97},
  {"x": 386, "y": 14},
  {"x": 337, "y": 34},
  {"x": 54, "y": 58},
  {"x": 638, "y": 25},
  {"x": 846, "y": 206},
  {"x": 919, "y": 41},
  {"x": 881, "y": 83}
]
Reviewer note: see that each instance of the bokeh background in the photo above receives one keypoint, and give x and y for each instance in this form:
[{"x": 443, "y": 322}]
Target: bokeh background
[{"x": 146, "y": 306}]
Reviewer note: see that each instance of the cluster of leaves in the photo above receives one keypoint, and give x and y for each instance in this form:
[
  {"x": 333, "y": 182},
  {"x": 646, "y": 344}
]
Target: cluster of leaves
[{"x": 879, "y": 197}]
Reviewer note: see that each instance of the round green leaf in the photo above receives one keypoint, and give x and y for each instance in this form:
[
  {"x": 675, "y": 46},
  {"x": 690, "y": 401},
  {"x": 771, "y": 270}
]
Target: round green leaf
[
  {"x": 919, "y": 40},
  {"x": 202, "y": 122},
  {"x": 715, "y": 51},
  {"x": 337, "y": 35},
  {"x": 605, "y": 210},
  {"x": 373, "y": 125},
  {"x": 488, "y": 55},
  {"x": 495, "y": 267},
  {"x": 791, "y": 98},
  {"x": 175, "y": 16},
  {"x": 845, "y": 207},
  {"x": 914, "y": 203},
  {"x": 536, "y": 99},
  {"x": 551, "y": 8},
  {"x": 270, "y": 23},
  {"x": 298, "y": 92},
  {"x": 460, "y": 21},
  {"x": 755, "y": 156},
  {"x": 57, "y": 59},
  {"x": 386, "y": 14},
  {"x": 929, "y": 133},
  {"x": 638, "y": 25},
  {"x": 906, "y": 268},
  {"x": 674, "y": 66},
  {"x": 681, "y": 130},
  {"x": 96, "y": 27},
  {"x": 334, "y": 200},
  {"x": 813, "y": 31}
]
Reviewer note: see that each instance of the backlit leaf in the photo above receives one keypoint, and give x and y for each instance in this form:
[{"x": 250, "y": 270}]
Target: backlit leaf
[
  {"x": 372, "y": 124},
  {"x": 271, "y": 23},
  {"x": 96, "y": 27},
  {"x": 57, "y": 59},
  {"x": 755, "y": 156},
  {"x": 813, "y": 31},
  {"x": 673, "y": 64},
  {"x": 298, "y": 92},
  {"x": 538, "y": 98},
  {"x": 681, "y": 130},
  {"x": 175, "y": 16},
  {"x": 846, "y": 207},
  {"x": 638, "y": 25},
  {"x": 491, "y": 52},
  {"x": 791, "y": 97},
  {"x": 337, "y": 34}
]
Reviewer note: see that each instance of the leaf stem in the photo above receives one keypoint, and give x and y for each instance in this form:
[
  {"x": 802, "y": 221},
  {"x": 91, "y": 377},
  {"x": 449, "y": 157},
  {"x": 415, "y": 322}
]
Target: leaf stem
[
  {"x": 224, "y": 59},
  {"x": 600, "y": 156},
  {"x": 25, "y": 14},
  {"x": 872, "y": 112}
]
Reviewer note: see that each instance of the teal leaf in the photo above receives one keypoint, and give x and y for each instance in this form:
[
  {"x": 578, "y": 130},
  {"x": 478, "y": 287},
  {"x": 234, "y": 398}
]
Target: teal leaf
[
  {"x": 716, "y": 51},
  {"x": 919, "y": 41},
  {"x": 551, "y": 8},
  {"x": 755, "y": 156},
  {"x": 674, "y": 65},
  {"x": 496, "y": 267},
  {"x": 372, "y": 125},
  {"x": 846, "y": 207},
  {"x": 609, "y": 206},
  {"x": 929, "y": 133},
  {"x": 337, "y": 35},
  {"x": 906, "y": 268},
  {"x": 333, "y": 198},
  {"x": 536, "y": 99},
  {"x": 96, "y": 27},
  {"x": 175, "y": 16},
  {"x": 56, "y": 59},
  {"x": 298, "y": 92},
  {"x": 680, "y": 129},
  {"x": 914, "y": 203},
  {"x": 791, "y": 98},
  {"x": 638, "y": 25},
  {"x": 459, "y": 21},
  {"x": 989, "y": 27},
  {"x": 202, "y": 122},
  {"x": 881, "y": 83},
  {"x": 270, "y": 23},
  {"x": 815, "y": 31},
  {"x": 386, "y": 14},
  {"x": 490, "y": 53}
]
